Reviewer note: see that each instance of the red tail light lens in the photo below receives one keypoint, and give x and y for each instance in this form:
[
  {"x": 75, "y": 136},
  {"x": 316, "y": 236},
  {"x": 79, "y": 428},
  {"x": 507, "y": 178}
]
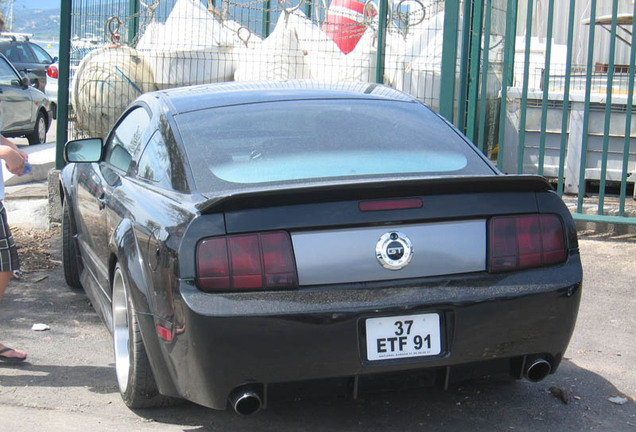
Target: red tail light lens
[
  {"x": 246, "y": 263},
  {"x": 245, "y": 259},
  {"x": 52, "y": 71},
  {"x": 213, "y": 267},
  {"x": 278, "y": 258},
  {"x": 396, "y": 204},
  {"x": 518, "y": 242}
]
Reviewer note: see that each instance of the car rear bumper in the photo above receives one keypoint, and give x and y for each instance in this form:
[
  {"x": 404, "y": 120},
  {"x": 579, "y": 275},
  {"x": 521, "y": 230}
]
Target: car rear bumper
[{"x": 222, "y": 341}]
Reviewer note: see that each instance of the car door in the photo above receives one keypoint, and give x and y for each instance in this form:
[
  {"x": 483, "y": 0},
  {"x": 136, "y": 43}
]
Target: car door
[
  {"x": 15, "y": 100},
  {"x": 98, "y": 204},
  {"x": 42, "y": 62},
  {"x": 23, "y": 58}
]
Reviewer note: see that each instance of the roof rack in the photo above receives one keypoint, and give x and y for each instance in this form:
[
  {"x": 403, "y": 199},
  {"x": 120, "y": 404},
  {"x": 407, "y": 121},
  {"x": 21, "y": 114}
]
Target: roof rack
[{"x": 14, "y": 36}]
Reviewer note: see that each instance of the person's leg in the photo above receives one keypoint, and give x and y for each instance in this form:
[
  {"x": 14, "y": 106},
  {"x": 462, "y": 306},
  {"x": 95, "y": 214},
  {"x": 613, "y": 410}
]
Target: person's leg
[
  {"x": 8, "y": 262},
  {"x": 6, "y": 353},
  {"x": 5, "y": 277}
]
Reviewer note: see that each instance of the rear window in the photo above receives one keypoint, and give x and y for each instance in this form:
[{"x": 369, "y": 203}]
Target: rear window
[{"x": 318, "y": 140}]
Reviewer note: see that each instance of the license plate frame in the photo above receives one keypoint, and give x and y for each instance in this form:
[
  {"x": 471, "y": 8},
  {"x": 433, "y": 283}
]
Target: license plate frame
[{"x": 402, "y": 337}]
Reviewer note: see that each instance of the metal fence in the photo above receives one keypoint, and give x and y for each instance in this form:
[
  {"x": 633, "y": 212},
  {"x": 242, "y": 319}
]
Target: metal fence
[
  {"x": 566, "y": 104},
  {"x": 559, "y": 108}
]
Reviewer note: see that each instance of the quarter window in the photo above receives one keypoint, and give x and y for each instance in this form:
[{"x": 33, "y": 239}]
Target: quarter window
[
  {"x": 154, "y": 163},
  {"x": 127, "y": 138}
]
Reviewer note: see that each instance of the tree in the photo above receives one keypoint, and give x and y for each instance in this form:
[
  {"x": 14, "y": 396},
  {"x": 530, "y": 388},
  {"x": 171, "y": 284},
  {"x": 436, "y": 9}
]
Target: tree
[{"x": 3, "y": 6}]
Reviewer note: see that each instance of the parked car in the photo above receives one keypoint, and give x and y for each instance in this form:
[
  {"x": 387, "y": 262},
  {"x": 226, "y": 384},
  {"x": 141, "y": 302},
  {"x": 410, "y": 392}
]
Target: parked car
[
  {"x": 52, "y": 73},
  {"x": 27, "y": 57},
  {"x": 24, "y": 110},
  {"x": 238, "y": 237}
]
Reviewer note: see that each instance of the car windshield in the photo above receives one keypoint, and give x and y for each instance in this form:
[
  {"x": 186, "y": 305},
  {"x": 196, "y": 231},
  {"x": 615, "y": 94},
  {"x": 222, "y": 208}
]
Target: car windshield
[{"x": 317, "y": 140}]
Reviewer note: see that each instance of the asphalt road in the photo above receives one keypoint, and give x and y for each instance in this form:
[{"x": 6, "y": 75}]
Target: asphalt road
[{"x": 69, "y": 384}]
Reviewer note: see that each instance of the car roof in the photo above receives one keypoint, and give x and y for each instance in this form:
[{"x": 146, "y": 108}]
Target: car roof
[
  {"x": 186, "y": 99},
  {"x": 5, "y": 41}
]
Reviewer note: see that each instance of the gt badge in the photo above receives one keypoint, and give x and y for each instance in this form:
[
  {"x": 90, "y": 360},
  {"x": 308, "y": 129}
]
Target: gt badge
[{"x": 394, "y": 250}]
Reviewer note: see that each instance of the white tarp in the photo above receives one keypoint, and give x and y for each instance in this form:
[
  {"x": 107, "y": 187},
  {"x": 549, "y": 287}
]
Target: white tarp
[
  {"x": 278, "y": 57},
  {"x": 192, "y": 47}
]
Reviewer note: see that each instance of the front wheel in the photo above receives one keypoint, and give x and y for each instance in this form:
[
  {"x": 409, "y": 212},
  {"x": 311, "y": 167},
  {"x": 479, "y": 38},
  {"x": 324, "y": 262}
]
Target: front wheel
[
  {"x": 69, "y": 250},
  {"x": 137, "y": 384},
  {"x": 38, "y": 135}
]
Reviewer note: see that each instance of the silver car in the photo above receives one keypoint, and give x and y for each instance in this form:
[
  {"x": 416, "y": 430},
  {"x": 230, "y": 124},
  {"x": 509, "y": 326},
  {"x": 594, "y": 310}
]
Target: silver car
[{"x": 24, "y": 110}]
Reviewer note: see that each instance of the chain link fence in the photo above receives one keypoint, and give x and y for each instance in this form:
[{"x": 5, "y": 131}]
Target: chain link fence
[{"x": 121, "y": 49}]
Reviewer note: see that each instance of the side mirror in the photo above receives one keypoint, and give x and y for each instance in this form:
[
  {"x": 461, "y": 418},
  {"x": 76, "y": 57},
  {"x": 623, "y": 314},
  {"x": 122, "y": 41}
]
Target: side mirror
[
  {"x": 25, "y": 81},
  {"x": 83, "y": 150}
]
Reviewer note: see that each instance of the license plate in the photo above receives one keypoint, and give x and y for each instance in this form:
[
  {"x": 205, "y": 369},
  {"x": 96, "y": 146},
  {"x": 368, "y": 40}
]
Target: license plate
[{"x": 403, "y": 336}]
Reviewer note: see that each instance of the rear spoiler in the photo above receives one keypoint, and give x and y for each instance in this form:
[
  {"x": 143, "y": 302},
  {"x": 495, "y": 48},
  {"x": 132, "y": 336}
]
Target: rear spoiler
[{"x": 343, "y": 191}]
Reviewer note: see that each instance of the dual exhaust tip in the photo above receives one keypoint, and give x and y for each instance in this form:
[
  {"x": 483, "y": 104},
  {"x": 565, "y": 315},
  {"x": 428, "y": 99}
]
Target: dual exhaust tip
[
  {"x": 247, "y": 400},
  {"x": 537, "y": 369}
]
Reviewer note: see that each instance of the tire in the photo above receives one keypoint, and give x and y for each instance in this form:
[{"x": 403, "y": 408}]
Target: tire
[
  {"x": 38, "y": 135},
  {"x": 69, "y": 250},
  {"x": 136, "y": 382}
]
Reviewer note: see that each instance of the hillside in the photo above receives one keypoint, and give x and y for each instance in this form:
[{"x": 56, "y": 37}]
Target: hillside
[{"x": 44, "y": 24}]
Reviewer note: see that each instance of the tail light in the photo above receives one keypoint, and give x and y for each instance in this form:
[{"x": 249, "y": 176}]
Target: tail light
[
  {"x": 518, "y": 242},
  {"x": 394, "y": 204},
  {"x": 252, "y": 262},
  {"x": 52, "y": 71}
]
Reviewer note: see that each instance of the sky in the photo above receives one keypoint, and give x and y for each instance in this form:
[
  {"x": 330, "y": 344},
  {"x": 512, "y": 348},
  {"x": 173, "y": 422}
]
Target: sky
[{"x": 38, "y": 4}]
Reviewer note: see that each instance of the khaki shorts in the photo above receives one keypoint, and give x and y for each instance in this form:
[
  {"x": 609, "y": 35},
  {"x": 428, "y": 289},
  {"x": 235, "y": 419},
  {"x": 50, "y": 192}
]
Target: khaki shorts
[{"x": 8, "y": 252}]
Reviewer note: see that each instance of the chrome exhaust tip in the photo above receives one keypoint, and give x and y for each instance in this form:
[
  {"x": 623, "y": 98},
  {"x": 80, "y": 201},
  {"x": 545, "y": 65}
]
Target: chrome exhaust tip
[
  {"x": 246, "y": 401},
  {"x": 537, "y": 369}
]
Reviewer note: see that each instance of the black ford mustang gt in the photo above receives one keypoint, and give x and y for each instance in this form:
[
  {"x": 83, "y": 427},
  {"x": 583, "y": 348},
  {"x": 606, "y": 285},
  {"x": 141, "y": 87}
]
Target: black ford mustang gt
[{"x": 238, "y": 237}]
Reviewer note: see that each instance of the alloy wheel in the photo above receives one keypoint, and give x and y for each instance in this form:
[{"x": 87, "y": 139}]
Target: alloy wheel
[{"x": 121, "y": 334}]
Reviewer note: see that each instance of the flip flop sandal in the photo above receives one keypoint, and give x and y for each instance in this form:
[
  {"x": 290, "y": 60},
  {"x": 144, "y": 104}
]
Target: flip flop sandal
[{"x": 10, "y": 359}]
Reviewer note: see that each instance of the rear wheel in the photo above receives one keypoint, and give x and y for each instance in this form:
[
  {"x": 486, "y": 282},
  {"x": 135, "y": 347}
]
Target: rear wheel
[
  {"x": 69, "y": 250},
  {"x": 136, "y": 382},
  {"x": 38, "y": 135}
]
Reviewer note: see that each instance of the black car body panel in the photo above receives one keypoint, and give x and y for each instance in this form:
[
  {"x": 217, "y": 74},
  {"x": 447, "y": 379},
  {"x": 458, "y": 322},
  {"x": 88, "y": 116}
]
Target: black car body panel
[
  {"x": 272, "y": 338},
  {"x": 204, "y": 345}
]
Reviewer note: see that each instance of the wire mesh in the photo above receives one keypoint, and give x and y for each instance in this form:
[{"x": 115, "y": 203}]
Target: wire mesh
[
  {"x": 117, "y": 52},
  {"x": 123, "y": 48},
  {"x": 570, "y": 115}
]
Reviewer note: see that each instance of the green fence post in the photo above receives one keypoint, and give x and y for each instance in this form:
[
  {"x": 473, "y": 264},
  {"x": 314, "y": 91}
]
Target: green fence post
[
  {"x": 628, "y": 120},
  {"x": 608, "y": 108},
  {"x": 266, "y": 17},
  {"x": 586, "y": 109},
  {"x": 546, "y": 87},
  {"x": 463, "y": 67},
  {"x": 449, "y": 59},
  {"x": 508, "y": 71},
  {"x": 63, "y": 80},
  {"x": 473, "y": 80},
  {"x": 524, "y": 96},
  {"x": 133, "y": 15},
  {"x": 308, "y": 9},
  {"x": 485, "y": 64},
  {"x": 566, "y": 99},
  {"x": 382, "y": 24}
]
